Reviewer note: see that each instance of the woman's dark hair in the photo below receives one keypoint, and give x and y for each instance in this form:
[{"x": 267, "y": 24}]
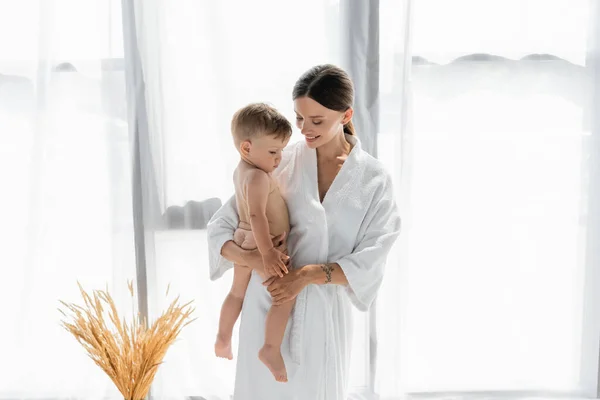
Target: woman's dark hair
[{"x": 329, "y": 86}]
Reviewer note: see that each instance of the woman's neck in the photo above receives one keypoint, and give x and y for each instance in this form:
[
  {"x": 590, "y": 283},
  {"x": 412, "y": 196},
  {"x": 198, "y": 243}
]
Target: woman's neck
[{"x": 337, "y": 147}]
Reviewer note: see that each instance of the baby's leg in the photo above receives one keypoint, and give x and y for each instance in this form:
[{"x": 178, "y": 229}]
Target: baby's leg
[
  {"x": 270, "y": 354},
  {"x": 230, "y": 311}
]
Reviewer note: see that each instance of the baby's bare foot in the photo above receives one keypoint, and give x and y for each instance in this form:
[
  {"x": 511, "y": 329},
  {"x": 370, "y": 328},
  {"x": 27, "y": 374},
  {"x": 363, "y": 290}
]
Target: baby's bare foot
[
  {"x": 271, "y": 357},
  {"x": 223, "y": 348}
]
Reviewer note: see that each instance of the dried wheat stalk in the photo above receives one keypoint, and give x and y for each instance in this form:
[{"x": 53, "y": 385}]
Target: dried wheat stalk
[{"x": 128, "y": 353}]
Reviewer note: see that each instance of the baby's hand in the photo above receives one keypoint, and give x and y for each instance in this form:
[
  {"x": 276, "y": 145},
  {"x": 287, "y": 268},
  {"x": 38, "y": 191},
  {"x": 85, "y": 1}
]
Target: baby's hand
[{"x": 274, "y": 262}]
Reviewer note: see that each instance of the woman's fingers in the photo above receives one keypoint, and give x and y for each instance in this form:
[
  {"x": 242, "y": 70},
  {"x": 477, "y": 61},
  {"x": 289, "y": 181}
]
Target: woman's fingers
[
  {"x": 281, "y": 300},
  {"x": 269, "y": 281},
  {"x": 278, "y": 300},
  {"x": 275, "y": 288}
]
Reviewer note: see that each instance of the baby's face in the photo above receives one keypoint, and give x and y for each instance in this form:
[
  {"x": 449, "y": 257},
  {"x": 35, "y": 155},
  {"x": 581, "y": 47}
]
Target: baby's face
[{"x": 265, "y": 152}]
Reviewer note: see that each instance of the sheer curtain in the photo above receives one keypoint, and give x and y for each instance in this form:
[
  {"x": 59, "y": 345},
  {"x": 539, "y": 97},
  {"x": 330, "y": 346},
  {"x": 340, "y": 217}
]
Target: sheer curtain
[
  {"x": 497, "y": 288},
  {"x": 66, "y": 199},
  {"x": 115, "y": 151}
]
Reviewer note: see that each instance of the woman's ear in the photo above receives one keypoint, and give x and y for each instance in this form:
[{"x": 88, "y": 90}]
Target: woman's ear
[
  {"x": 245, "y": 147},
  {"x": 347, "y": 115}
]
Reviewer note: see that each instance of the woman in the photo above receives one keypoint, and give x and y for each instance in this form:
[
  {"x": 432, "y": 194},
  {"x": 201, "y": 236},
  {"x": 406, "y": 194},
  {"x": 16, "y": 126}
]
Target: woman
[{"x": 344, "y": 221}]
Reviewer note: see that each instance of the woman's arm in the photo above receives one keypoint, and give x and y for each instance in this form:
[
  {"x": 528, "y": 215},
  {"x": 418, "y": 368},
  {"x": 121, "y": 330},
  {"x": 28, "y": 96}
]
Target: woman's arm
[
  {"x": 250, "y": 258},
  {"x": 361, "y": 272},
  {"x": 289, "y": 286},
  {"x": 223, "y": 251},
  {"x": 220, "y": 230},
  {"x": 323, "y": 274},
  {"x": 234, "y": 253},
  {"x": 364, "y": 267}
]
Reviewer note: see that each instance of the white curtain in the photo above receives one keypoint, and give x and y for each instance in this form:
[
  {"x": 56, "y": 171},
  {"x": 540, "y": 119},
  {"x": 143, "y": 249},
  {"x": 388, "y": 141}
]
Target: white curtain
[
  {"x": 66, "y": 191},
  {"x": 496, "y": 290},
  {"x": 482, "y": 111}
]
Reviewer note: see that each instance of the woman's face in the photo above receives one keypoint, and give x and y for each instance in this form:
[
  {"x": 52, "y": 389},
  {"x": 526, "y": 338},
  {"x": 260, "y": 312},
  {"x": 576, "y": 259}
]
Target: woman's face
[{"x": 318, "y": 124}]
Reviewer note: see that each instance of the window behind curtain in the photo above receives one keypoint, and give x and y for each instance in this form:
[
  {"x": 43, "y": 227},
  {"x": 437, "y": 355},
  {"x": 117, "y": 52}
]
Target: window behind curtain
[{"x": 492, "y": 261}]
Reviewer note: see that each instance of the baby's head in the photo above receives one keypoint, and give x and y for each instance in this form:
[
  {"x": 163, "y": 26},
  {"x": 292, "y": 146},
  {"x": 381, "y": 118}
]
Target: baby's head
[{"x": 260, "y": 133}]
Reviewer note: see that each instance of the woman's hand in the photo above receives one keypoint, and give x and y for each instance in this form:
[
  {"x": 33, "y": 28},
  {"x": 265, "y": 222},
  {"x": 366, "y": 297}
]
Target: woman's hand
[{"x": 286, "y": 288}]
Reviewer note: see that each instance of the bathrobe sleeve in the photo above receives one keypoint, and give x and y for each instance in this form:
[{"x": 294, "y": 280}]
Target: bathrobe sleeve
[
  {"x": 364, "y": 267},
  {"x": 220, "y": 230}
]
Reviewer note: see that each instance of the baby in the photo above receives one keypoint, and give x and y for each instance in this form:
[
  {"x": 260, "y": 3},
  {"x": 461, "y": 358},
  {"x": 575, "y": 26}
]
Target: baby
[{"x": 260, "y": 133}]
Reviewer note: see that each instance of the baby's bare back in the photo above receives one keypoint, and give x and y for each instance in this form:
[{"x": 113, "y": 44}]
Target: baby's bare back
[{"x": 276, "y": 209}]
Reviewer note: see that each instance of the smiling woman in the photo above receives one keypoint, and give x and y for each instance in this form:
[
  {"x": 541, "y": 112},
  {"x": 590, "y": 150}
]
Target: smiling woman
[
  {"x": 338, "y": 258},
  {"x": 318, "y": 110}
]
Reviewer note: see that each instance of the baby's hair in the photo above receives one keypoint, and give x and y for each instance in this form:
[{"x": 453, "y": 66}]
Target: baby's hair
[{"x": 259, "y": 119}]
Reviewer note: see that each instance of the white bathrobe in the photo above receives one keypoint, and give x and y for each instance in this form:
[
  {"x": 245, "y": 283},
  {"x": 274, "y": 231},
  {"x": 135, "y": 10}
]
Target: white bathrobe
[{"x": 355, "y": 226}]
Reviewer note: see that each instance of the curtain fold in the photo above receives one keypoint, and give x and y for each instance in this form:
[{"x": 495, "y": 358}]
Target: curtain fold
[
  {"x": 395, "y": 142},
  {"x": 496, "y": 287},
  {"x": 590, "y": 359},
  {"x": 66, "y": 203}
]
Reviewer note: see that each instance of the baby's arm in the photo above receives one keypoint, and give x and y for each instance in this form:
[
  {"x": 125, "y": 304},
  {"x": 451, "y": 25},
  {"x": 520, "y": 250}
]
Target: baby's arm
[{"x": 257, "y": 188}]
